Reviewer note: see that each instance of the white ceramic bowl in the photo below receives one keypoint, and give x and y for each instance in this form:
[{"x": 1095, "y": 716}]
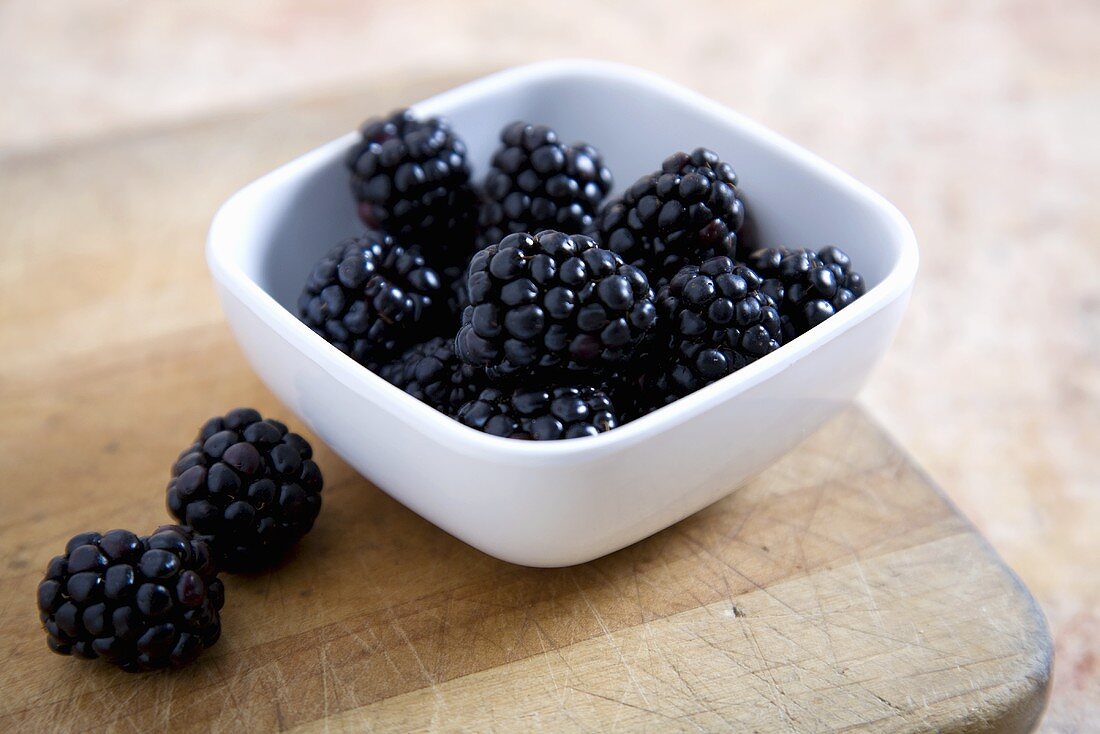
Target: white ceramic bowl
[{"x": 564, "y": 502}]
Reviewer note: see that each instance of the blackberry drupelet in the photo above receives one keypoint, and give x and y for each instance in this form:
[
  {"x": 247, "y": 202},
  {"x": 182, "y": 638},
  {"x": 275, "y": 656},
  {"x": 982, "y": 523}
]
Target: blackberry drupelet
[
  {"x": 248, "y": 486},
  {"x": 540, "y": 414},
  {"x": 809, "y": 287},
  {"x": 141, "y": 603},
  {"x": 715, "y": 321},
  {"x": 432, "y": 374},
  {"x": 551, "y": 303},
  {"x": 411, "y": 179},
  {"x": 685, "y": 213},
  {"x": 537, "y": 182},
  {"x": 369, "y": 297}
]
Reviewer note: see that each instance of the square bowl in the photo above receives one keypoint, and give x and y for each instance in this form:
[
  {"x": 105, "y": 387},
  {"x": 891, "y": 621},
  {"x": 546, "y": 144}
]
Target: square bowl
[{"x": 558, "y": 503}]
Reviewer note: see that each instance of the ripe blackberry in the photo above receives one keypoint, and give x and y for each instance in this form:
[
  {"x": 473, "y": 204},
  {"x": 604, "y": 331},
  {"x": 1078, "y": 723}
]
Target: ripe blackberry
[
  {"x": 411, "y": 179},
  {"x": 685, "y": 213},
  {"x": 368, "y": 296},
  {"x": 140, "y": 602},
  {"x": 809, "y": 287},
  {"x": 537, "y": 182},
  {"x": 715, "y": 321},
  {"x": 552, "y": 302},
  {"x": 540, "y": 414},
  {"x": 432, "y": 374},
  {"x": 248, "y": 486}
]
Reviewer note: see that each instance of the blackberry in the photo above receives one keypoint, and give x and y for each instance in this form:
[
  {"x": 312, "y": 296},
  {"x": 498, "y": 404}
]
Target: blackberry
[
  {"x": 809, "y": 287},
  {"x": 140, "y": 602},
  {"x": 368, "y": 296},
  {"x": 248, "y": 486},
  {"x": 432, "y": 374},
  {"x": 540, "y": 414},
  {"x": 411, "y": 179},
  {"x": 685, "y": 213},
  {"x": 549, "y": 303},
  {"x": 537, "y": 182},
  {"x": 716, "y": 319}
]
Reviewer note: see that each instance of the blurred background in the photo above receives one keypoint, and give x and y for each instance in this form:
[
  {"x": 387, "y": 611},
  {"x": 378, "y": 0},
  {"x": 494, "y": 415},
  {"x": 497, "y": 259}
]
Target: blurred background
[{"x": 980, "y": 120}]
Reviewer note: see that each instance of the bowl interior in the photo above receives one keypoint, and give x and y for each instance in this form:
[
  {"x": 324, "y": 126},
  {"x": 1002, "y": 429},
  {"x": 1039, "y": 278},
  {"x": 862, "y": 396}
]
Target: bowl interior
[{"x": 635, "y": 119}]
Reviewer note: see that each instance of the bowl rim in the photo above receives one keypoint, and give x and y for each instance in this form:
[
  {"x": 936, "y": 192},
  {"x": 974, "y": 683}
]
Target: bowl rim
[{"x": 235, "y": 214}]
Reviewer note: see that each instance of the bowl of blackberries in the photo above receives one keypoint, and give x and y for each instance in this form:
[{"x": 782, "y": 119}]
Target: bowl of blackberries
[{"x": 561, "y": 307}]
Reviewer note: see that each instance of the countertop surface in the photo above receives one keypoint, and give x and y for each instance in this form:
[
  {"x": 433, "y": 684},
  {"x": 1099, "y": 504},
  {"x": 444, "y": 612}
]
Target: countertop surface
[{"x": 978, "y": 121}]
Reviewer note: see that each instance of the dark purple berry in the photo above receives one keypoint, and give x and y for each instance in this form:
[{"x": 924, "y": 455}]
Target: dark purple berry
[
  {"x": 683, "y": 214},
  {"x": 411, "y": 179},
  {"x": 715, "y": 319},
  {"x": 807, "y": 286},
  {"x": 551, "y": 303},
  {"x": 251, "y": 500},
  {"x": 537, "y": 182},
  {"x": 368, "y": 297},
  {"x": 94, "y": 604}
]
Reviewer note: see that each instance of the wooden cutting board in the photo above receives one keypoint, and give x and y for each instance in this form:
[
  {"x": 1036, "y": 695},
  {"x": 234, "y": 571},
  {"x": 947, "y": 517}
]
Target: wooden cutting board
[{"x": 838, "y": 591}]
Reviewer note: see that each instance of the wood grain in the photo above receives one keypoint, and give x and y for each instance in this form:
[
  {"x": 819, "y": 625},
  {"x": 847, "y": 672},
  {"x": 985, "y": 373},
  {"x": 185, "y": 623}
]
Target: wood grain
[{"x": 838, "y": 591}]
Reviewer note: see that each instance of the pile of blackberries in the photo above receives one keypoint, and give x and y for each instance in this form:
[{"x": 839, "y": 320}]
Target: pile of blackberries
[{"x": 528, "y": 299}]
